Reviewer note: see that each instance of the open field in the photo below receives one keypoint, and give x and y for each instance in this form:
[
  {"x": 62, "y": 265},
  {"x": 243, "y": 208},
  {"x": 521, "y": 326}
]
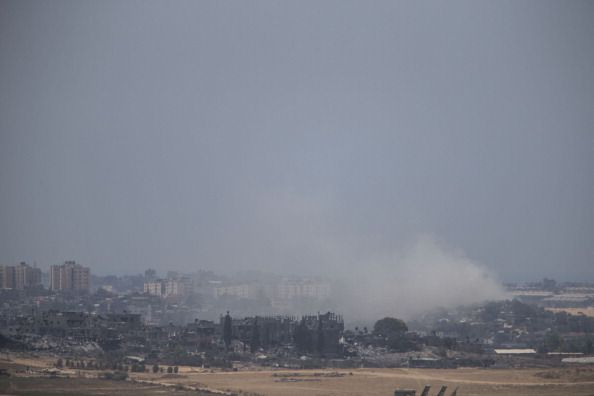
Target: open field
[
  {"x": 588, "y": 311},
  {"x": 564, "y": 381},
  {"x": 38, "y": 386},
  {"x": 574, "y": 380}
]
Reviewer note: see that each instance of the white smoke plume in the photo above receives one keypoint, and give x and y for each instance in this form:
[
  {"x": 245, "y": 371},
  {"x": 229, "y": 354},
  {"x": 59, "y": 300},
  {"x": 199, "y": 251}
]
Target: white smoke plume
[
  {"x": 415, "y": 279},
  {"x": 373, "y": 274}
]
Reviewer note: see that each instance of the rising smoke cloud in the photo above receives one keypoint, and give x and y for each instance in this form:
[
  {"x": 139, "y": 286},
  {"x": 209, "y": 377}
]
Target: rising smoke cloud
[
  {"x": 373, "y": 274},
  {"x": 417, "y": 278}
]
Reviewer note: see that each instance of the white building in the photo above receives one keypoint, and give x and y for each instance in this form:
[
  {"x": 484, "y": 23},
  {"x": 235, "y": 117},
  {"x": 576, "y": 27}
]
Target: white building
[
  {"x": 155, "y": 288},
  {"x": 241, "y": 291},
  {"x": 290, "y": 289},
  {"x": 168, "y": 287}
]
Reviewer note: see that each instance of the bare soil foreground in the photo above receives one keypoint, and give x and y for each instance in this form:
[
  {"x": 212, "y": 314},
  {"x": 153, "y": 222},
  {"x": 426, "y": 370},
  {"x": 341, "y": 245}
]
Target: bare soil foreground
[
  {"x": 38, "y": 386},
  {"x": 485, "y": 382},
  {"x": 574, "y": 380}
]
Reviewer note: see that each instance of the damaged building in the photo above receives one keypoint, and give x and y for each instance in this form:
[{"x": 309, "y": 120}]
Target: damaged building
[
  {"x": 315, "y": 334},
  {"x": 77, "y": 325}
]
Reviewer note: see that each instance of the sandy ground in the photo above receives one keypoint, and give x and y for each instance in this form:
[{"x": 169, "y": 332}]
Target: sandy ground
[
  {"x": 575, "y": 380},
  {"x": 37, "y": 362},
  {"x": 36, "y": 386},
  {"x": 589, "y": 311},
  {"x": 384, "y": 381}
]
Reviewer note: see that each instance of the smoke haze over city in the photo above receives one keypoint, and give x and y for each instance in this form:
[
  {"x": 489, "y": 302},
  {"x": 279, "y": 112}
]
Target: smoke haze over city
[{"x": 421, "y": 154}]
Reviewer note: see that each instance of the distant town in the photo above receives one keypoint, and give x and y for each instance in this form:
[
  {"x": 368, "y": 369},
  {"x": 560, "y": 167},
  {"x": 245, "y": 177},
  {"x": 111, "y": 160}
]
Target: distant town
[{"x": 209, "y": 319}]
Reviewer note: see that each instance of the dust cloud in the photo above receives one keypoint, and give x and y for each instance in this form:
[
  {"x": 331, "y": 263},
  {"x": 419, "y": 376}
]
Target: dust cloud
[
  {"x": 414, "y": 279},
  {"x": 373, "y": 274}
]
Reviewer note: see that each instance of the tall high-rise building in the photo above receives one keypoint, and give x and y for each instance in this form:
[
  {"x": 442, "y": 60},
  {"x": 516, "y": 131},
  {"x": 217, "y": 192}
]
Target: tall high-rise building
[
  {"x": 70, "y": 276},
  {"x": 19, "y": 277}
]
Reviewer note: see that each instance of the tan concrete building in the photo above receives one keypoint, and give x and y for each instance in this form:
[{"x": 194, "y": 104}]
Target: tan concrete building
[
  {"x": 70, "y": 276},
  {"x": 19, "y": 277},
  {"x": 168, "y": 287},
  {"x": 178, "y": 287}
]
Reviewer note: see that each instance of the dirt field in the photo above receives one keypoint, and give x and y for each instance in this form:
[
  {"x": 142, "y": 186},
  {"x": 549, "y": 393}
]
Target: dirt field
[
  {"x": 27, "y": 386},
  {"x": 577, "y": 380},
  {"x": 589, "y": 311},
  {"x": 485, "y": 382}
]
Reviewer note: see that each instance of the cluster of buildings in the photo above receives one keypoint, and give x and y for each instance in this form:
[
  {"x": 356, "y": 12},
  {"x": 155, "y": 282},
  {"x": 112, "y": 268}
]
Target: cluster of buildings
[
  {"x": 69, "y": 276},
  {"x": 168, "y": 287},
  {"x": 19, "y": 277},
  {"x": 314, "y": 334},
  {"x": 77, "y": 325},
  {"x": 127, "y": 332},
  {"x": 281, "y": 291},
  {"x": 251, "y": 296},
  {"x": 274, "y": 294},
  {"x": 174, "y": 298},
  {"x": 562, "y": 296},
  {"x": 505, "y": 326},
  {"x": 152, "y": 316}
]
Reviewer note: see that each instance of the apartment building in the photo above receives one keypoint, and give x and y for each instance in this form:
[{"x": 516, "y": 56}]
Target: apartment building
[
  {"x": 70, "y": 276},
  {"x": 19, "y": 277}
]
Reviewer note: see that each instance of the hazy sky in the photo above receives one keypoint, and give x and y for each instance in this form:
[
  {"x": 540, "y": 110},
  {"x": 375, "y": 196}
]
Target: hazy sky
[{"x": 297, "y": 136}]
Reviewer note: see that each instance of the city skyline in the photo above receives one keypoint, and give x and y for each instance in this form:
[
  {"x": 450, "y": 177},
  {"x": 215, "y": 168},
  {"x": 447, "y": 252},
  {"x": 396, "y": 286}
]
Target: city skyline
[{"x": 297, "y": 197}]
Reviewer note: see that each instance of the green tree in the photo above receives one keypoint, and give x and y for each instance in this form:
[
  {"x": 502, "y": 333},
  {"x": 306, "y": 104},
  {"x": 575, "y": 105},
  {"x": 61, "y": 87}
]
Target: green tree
[
  {"x": 392, "y": 333},
  {"x": 490, "y": 311},
  {"x": 388, "y": 327},
  {"x": 155, "y": 368},
  {"x": 553, "y": 342},
  {"x": 522, "y": 311}
]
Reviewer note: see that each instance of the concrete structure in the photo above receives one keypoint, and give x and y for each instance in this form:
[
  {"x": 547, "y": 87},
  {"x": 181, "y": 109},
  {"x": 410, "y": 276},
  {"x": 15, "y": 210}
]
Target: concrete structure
[
  {"x": 319, "y": 334},
  {"x": 324, "y": 331},
  {"x": 78, "y": 325},
  {"x": 241, "y": 291},
  {"x": 178, "y": 287},
  {"x": 442, "y": 391},
  {"x": 515, "y": 351},
  {"x": 290, "y": 289},
  {"x": 19, "y": 277},
  {"x": 70, "y": 276},
  {"x": 169, "y": 287},
  {"x": 281, "y": 292},
  {"x": 155, "y": 288}
]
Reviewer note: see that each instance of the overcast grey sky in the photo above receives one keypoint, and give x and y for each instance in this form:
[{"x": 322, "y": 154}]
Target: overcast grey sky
[{"x": 290, "y": 135}]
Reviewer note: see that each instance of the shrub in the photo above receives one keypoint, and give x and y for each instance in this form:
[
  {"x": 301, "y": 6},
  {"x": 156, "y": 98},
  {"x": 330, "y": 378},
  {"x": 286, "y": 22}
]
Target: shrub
[{"x": 115, "y": 375}]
